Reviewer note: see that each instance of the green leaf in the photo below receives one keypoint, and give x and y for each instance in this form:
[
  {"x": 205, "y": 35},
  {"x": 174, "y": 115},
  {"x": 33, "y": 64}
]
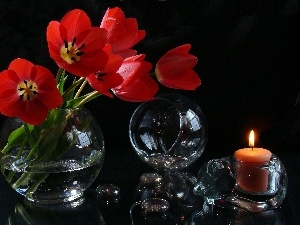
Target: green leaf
[
  {"x": 31, "y": 140},
  {"x": 63, "y": 145},
  {"x": 74, "y": 102},
  {"x": 51, "y": 119},
  {"x": 49, "y": 144},
  {"x": 16, "y": 137},
  {"x": 54, "y": 129}
]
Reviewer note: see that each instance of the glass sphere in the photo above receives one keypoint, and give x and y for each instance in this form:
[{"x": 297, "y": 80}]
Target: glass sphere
[{"x": 169, "y": 132}]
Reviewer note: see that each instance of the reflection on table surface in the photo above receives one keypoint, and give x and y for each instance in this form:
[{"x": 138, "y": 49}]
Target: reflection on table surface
[
  {"x": 184, "y": 207},
  {"x": 77, "y": 212}
]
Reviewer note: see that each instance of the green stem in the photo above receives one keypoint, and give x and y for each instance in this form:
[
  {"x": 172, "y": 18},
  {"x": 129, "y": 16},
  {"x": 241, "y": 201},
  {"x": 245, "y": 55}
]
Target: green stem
[
  {"x": 9, "y": 221},
  {"x": 21, "y": 148},
  {"x": 5, "y": 149},
  {"x": 74, "y": 85},
  {"x": 80, "y": 89},
  {"x": 92, "y": 95},
  {"x": 10, "y": 176},
  {"x": 58, "y": 75},
  {"x": 32, "y": 151},
  {"x": 37, "y": 181},
  {"x": 24, "y": 214},
  {"x": 12, "y": 173},
  {"x": 22, "y": 180}
]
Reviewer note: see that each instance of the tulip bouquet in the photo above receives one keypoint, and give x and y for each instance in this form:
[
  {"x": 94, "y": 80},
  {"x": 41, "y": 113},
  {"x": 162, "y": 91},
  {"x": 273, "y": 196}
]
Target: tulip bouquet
[{"x": 101, "y": 57}]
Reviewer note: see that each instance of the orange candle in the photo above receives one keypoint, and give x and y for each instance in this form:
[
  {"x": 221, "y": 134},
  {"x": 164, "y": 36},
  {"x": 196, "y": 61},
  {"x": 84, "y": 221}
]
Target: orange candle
[{"x": 250, "y": 174}]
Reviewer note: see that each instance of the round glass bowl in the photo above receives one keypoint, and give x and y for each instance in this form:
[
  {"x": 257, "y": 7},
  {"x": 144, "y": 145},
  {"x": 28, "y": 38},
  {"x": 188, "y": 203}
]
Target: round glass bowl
[
  {"x": 169, "y": 132},
  {"x": 65, "y": 163}
]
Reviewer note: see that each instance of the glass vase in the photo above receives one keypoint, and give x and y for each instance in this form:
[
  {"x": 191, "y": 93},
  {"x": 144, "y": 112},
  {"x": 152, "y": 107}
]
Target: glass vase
[{"x": 61, "y": 164}]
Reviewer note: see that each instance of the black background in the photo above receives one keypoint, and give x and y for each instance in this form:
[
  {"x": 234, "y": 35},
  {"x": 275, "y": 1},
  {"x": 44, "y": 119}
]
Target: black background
[{"x": 249, "y": 63}]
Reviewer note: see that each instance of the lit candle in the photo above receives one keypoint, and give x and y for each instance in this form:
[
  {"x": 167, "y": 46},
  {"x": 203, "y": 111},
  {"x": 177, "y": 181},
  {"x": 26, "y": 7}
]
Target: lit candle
[{"x": 250, "y": 173}]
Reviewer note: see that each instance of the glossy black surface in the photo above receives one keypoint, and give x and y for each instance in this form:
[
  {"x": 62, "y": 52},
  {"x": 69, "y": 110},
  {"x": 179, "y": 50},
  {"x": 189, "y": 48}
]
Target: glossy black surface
[
  {"x": 117, "y": 211},
  {"x": 249, "y": 63}
]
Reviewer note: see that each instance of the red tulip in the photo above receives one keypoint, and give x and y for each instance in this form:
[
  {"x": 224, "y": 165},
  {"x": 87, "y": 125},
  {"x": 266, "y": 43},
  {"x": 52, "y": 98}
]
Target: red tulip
[
  {"x": 75, "y": 45},
  {"x": 123, "y": 33},
  {"x": 137, "y": 85},
  {"x": 175, "y": 69},
  {"x": 28, "y": 91},
  {"x": 107, "y": 78}
]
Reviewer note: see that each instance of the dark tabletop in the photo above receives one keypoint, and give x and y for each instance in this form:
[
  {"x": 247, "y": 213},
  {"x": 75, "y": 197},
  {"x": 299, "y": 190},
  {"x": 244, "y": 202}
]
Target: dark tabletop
[{"x": 249, "y": 63}]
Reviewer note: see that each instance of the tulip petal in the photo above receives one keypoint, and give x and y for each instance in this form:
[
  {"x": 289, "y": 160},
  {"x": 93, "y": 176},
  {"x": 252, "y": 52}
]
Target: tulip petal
[
  {"x": 143, "y": 89},
  {"x": 8, "y": 80},
  {"x": 22, "y": 67},
  {"x": 8, "y": 106},
  {"x": 107, "y": 82},
  {"x": 45, "y": 82},
  {"x": 93, "y": 61},
  {"x": 175, "y": 69},
  {"x": 29, "y": 114},
  {"x": 189, "y": 80},
  {"x": 107, "y": 78},
  {"x": 28, "y": 91},
  {"x": 137, "y": 85},
  {"x": 77, "y": 21},
  {"x": 117, "y": 25},
  {"x": 53, "y": 35},
  {"x": 96, "y": 39},
  {"x": 76, "y": 46}
]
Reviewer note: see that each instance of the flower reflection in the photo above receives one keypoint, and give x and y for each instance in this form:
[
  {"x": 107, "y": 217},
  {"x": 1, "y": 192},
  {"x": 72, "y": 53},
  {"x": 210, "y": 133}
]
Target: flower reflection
[{"x": 75, "y": 213}]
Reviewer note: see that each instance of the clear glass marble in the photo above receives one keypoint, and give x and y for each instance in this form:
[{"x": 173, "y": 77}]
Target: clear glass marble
[
  {"x": 179, "y": 189},
  {"x": 227, "y": 183},
  {"x": 155, "y": 205},
  {"x": 108, "y": 195},
  {"x": 108, "y": 190},
  {"x": 151, "y": 211},
  {"x": 175, "y": 187},
  {"x": 169, "y": 132},
  {"x": 150, "y": 186}
]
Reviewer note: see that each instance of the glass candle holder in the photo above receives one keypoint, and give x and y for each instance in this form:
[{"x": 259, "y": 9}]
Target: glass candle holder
[
  {"x": 254, "y": 187},
  {"x": 169, "y": 132},
  {"x": 257, "y": 178}
]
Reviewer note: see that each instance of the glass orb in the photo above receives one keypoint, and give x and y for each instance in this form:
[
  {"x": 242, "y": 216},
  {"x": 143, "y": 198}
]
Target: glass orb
[
  {"x": 169, "y": 132},
  {"x": 152, "y": 205},
  {"x": 108, "y": 190},
  {"x": 150, "y": 186}
]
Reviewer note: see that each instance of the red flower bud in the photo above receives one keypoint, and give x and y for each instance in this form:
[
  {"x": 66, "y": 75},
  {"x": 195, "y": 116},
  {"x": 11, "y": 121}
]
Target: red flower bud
[{"x": 175, "y": 69}]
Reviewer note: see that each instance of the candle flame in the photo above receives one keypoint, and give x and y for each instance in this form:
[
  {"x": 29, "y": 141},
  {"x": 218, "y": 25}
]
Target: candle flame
[{"x": 251, "y": 139}]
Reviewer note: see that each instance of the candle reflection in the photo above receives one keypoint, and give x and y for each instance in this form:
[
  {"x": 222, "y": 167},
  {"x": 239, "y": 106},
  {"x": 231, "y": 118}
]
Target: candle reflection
[{"x": 223, "y": 216}]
